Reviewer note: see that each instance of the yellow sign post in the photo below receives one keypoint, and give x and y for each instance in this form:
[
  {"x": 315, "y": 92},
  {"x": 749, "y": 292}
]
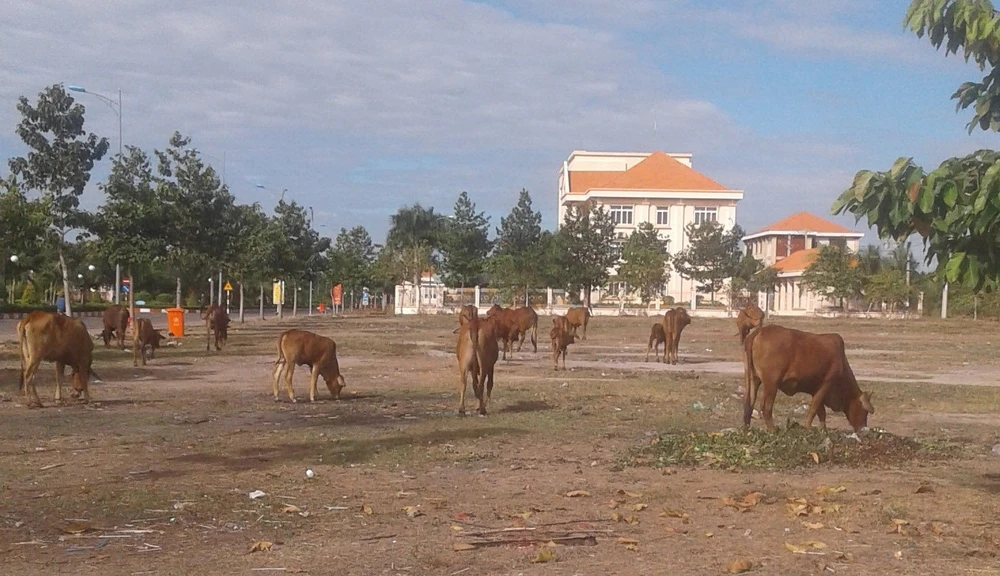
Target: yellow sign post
[{"x": 228, "y": 287}]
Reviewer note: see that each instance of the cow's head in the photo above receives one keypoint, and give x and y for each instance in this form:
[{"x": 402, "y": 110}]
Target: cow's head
[
  {"x": 157, "y": 337},
  {"x": 681, "y": 317},
  {"x": 493, "y": 310},
  {"x": 859, "y": 409},
  {"x": 335, "y": 384}
]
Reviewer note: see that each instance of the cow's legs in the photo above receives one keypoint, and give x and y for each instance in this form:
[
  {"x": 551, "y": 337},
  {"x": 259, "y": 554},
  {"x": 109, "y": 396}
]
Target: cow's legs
[
  {"x": 767, "y": 408},
  {"x": 520, "y": 341},
  {"x": 313, "y": 381},
  {"x": 821, "y": 413},
  {"x": 278, "y": 367},
  {"x": 817, "y": 402},
  {"x": 564, "y": 358},
  {"x": 60, "y": 372},
  {"x": 584, "y": 328},
  {"x": 289, "y": 371},
  {"x": 463, "y": 375},
  {"x": 30, "y": 394}
]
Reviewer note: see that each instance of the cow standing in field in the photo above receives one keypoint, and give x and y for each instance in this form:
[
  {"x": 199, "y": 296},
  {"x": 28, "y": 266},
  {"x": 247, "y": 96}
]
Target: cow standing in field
[
  {"x": 217, "y": 321},
  {"x": 560, "y": 341},
  {"x": 477, "y": 353},
  {"x": 505, "y": 327},
  {"x": 750, "y": 317},
  {"x": 656, "y": 337},
  {"x": 674, "y": 322},
  {"x": 304, "y": 348},
  {"x": 143, "y": 336},
  {"x": 115, "y": 323},
  {"x": 466, "y": 313},
  {"x": 579, "y": 317},
  {"x": 794, "y": 361},
  {"x": 52, "y": 337}
]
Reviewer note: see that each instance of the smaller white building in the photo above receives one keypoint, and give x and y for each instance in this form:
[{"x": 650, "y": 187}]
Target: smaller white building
[{"x": 790, "y": 246}]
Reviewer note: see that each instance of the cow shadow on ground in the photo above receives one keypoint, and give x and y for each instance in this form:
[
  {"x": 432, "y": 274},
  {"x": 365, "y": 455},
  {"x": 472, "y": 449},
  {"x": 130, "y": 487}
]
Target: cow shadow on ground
[
  {"x": 990, "y": 482},
  {"x": 525, "y": 406},
  {"x": 353, "y": 451}
]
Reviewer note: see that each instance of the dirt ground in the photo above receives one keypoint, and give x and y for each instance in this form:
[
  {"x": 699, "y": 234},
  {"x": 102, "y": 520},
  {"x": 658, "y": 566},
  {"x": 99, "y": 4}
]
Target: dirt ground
[{"x": 155, "y": 475}]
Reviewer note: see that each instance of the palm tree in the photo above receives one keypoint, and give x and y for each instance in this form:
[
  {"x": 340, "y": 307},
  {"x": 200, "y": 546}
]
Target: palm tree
[{"x": 416, "y": 231}]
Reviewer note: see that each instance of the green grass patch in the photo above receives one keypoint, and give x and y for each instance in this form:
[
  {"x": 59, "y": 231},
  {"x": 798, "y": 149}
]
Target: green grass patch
[{"x": 790, "y": 447}]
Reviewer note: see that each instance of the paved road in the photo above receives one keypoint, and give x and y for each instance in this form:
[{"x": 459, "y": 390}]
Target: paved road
[{"x": 8, "y": 327}]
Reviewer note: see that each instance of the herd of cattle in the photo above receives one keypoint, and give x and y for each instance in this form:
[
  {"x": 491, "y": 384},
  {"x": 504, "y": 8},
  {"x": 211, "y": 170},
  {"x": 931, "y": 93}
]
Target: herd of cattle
[{"x": 774, "y": 357}]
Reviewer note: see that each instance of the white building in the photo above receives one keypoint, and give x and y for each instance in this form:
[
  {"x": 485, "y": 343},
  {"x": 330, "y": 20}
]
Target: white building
[
  {"x": 790, "y": 246},
  {"x": 662, "y": 189}
]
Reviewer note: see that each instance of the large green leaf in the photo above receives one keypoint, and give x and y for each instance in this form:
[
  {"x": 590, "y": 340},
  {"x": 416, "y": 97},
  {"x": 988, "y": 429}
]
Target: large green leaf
[
  {"x": 954, "y": 266},
  {"x": 925, "y": 199}
]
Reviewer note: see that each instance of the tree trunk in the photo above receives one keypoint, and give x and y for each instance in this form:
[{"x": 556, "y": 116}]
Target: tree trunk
[
  {"x": 65, "y": 276},
  {"x": 295, "y": 300},
  {"x": 242, "y": 318},
  {"x": 416, "y": 286},
  {"x": 131, "y": 299},
  {"x": 178, "y": 298},
  {"x": 586, "y": 296},
  {"x": 281, "y": 289},
  {"x": 261, "y": 300}
]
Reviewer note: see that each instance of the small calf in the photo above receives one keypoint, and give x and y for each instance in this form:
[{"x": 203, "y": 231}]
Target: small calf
[
  {"x": 304, "y": 348},
  {"x": 143, "y": 336},
  {"x": 656, "y": 337},
  {"x": 560, "y": 341}
]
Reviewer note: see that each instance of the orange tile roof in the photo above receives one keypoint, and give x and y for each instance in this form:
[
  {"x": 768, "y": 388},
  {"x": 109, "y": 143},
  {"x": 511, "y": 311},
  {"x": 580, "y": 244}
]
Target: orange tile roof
[
  {"x": 806, "y": 222},
  {"x": 797, "y": 261},
  {"x": 657, "y": 172}
]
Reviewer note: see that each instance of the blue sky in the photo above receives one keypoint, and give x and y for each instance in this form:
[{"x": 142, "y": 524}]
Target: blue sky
[{"x": 359, "y": 108}]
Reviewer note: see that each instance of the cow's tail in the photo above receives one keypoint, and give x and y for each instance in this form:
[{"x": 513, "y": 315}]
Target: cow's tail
[
  {"x": 281, "y": 350},
  {"x": 534, "y": 334},
  {"x": 750, "y": 390}
]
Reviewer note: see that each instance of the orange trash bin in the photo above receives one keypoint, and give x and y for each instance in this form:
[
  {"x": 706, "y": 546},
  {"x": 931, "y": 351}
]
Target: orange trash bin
[
  {"x": 322, "y": 307},
  {"x": 175, "y": 322}
]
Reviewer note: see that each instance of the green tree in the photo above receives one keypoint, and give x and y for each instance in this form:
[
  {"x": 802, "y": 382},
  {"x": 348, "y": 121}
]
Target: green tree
[
  {"x": 751, "y": 278},
  {"x": 352, "y": 258},
  {"x": 645, "y": 265},
  {"x": 131, "y": 225},
  {"x": 887, "y": 286},
  {"x": 835, "y": 274},
  {"x": 61, "y": 155},
  {"x": 712, "y": 256},
  {"x": 955, "y": 206},
  {"x": 517, "y": 246},
  {"x": 587, "y": 238},
  {"x": 305, "y": 257},
  {"x": 415, "y": 231},
  {"x": 26, "y": 240},
  {"x": 255, "y": 260},
  {"x": 465, "y": 244}
]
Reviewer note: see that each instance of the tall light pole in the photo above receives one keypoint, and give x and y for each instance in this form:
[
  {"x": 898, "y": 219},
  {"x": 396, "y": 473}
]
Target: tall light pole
[
  {"x": 280, "y": 198},
  {"x": 118, "y": 112}
]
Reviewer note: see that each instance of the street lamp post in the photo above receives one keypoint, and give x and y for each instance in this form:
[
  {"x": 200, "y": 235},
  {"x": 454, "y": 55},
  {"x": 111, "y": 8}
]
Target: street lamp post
[{"x": 118, "y": 112}]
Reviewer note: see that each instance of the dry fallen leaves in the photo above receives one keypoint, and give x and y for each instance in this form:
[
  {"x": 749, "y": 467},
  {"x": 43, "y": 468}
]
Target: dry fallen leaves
[
  {"x": 544, "y": 555},
  {"x": 76, "y": 527},
  {"x": 577, "y": 493},
  {"x": 412, "y": 511},
  {"x": 739, "y": 567},
  {"x": 745, "y": 503},
  {"x": 672, "y": 513},
  {"x": 815, "y": 457},
  {"x": 260, "y": 546},
  {"x": 290, "y": 509},
  {"x": 805, "y": 547},
  {"x": 456, "y": 528},
  {"x": 630, "y": 494},
  {"x": 826, "y": 490},
  {"x": 639, "y": 507},
  {"x": 461, "y": 546},
  {"x": 925, "y": 489},
  {"x": 813, "y": 525},
  {"x": 366, "y": 509}
]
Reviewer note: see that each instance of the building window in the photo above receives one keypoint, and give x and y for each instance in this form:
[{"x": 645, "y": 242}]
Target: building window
[
  {"x": 621, "y": 214},
  {"x": 616, "y": 249},
  {"x": 662, "y": 216},
  {"x": 703, "y": 214}
]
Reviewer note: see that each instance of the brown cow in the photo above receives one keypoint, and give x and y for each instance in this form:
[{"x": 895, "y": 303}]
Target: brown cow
[
  {"x": 216, "y": 320},
  {"x": 579, "y": 317},
  {"x": 794, "y": 361},
  {"x": 115, "y": 323},
  {"x": 505, "y": 327},
  {"x": 562, "y": 323},
  {"x": 468, "y": 351},
  {"x": 143, "y": 336},
  {"x": 525, "y": 318},
  {"x": 52, "y": 337},
  {"x": 656, "y": 337},
  {"x": 466, "y": 313},
  {"x": 674, "y": 322},
  {"x": 560, "y": 342},
  {"x": 750, "y": 317},
  {"x": 304, "y": 348}
]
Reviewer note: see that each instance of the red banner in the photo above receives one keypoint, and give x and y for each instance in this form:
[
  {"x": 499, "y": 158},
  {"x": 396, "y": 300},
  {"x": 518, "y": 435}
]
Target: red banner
[{"x": 337, "y": 293}]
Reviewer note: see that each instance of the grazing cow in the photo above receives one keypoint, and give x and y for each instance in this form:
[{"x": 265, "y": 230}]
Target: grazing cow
[
  {"x": 561, "y": 340},
  {"x": 505, "y": 327},
  {"x": 656, "y": 337},
  {"x": 579, "y": 317},
  {"x": 115, "y": 323},
  {"x": 750, "y": 317},
  {"x": 52, "y": 337},
  {"x": 794, "y": 361},
  {"x": 216, "y": 320},
  {"x": 304, "y": 348},
  {"x": 674, "y": 322},
  {"x": 143, "y": 336}
]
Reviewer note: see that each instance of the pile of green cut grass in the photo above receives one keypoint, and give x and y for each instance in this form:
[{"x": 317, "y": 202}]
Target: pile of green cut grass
[{"x": 790, "y": 447}]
